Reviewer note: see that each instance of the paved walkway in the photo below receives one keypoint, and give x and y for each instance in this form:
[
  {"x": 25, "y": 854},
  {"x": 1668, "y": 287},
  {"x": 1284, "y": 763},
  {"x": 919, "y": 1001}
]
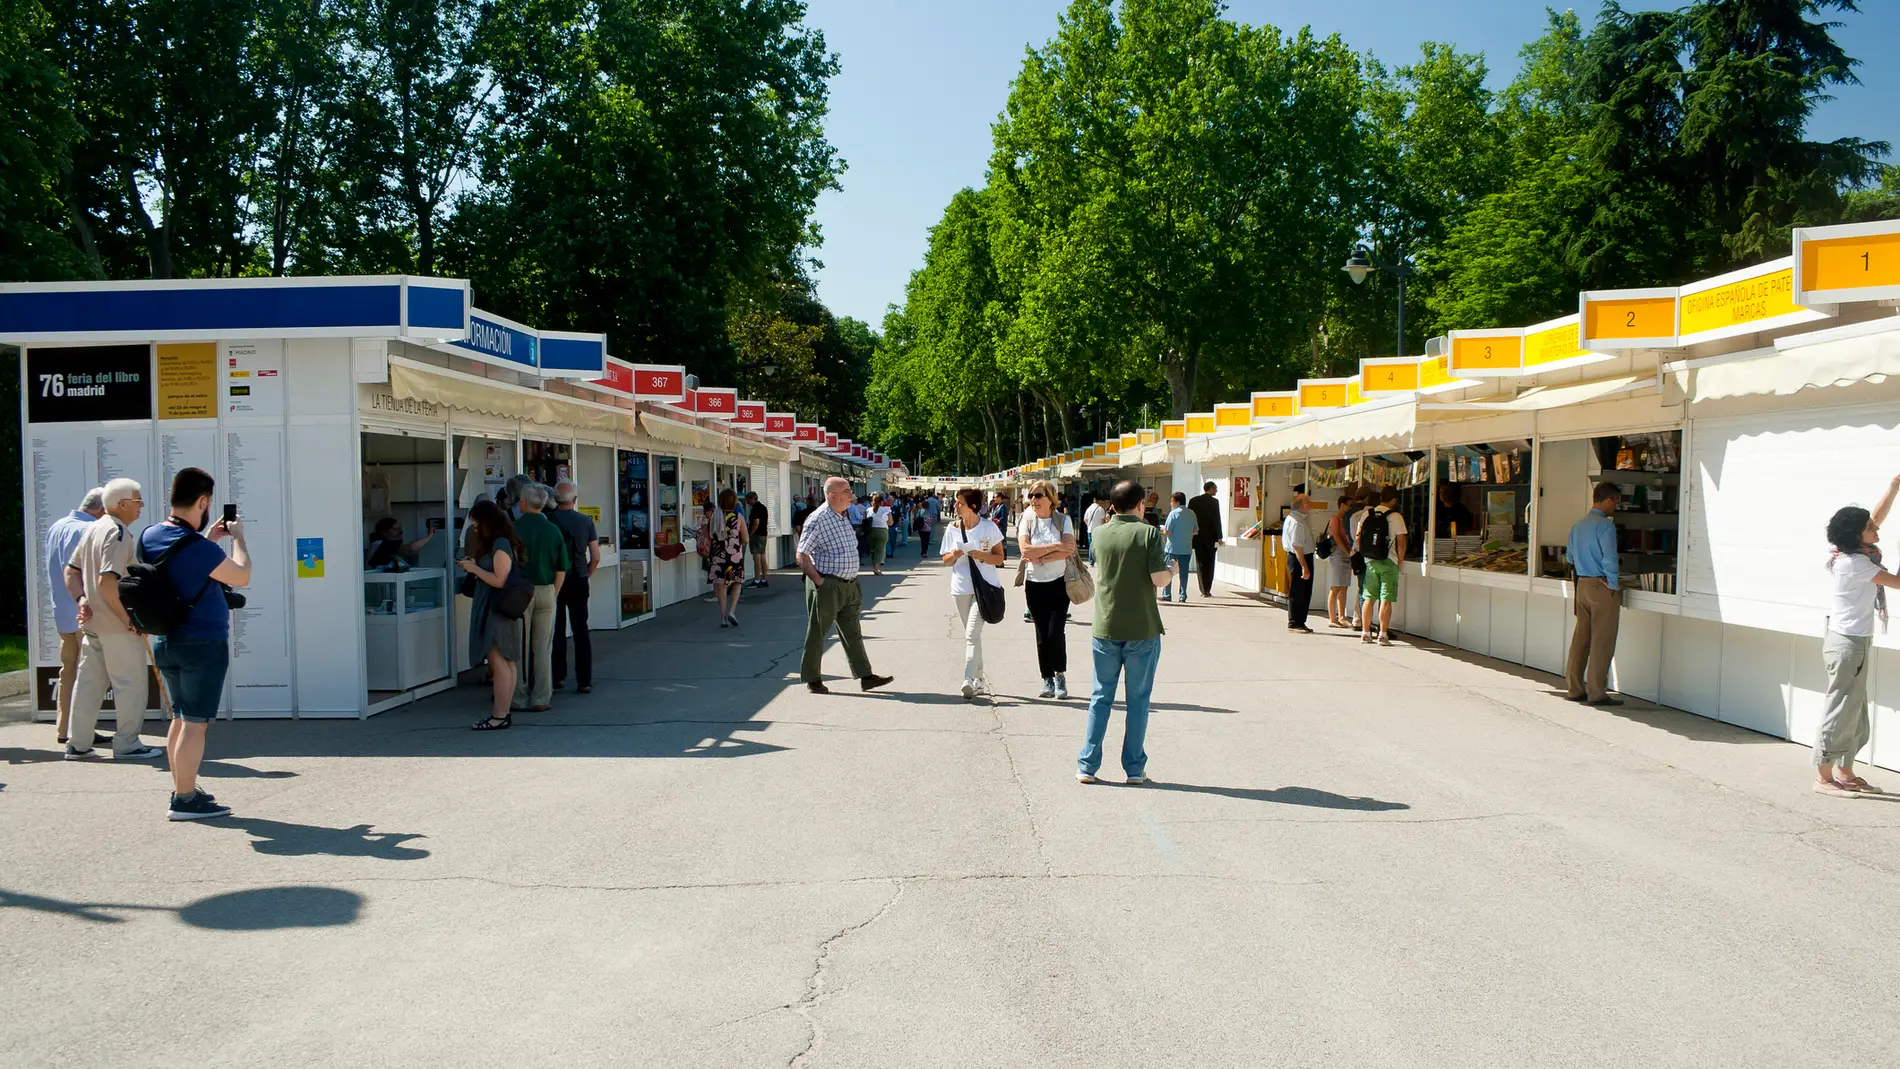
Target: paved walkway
[{"x": 1354, "y": 858}]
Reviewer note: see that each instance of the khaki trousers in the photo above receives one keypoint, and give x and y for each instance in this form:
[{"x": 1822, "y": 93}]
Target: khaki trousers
[
  {"x": 837, "y": 603},
  {"x": 537, "y": 650},
  {"x": 118, "y": 660},
  {"x": 1593, "y": 642},
  {"x": 68, "y": 676}
]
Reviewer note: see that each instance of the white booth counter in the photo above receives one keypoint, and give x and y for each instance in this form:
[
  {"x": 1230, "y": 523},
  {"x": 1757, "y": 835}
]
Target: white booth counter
[{"x": 405, "y": 627}]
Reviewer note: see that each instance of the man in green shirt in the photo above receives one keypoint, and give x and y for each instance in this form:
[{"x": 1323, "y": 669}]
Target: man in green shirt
[
  {"x": 1131, "y": 563},
  {"x": 544, "y": 556}
]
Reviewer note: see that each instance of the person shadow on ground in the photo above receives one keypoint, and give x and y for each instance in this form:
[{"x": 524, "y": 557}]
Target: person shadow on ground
[{"x": 284, "y": 839}]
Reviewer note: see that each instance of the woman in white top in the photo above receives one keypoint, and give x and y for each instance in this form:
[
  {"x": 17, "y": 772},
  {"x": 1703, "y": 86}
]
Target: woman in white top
[
  {"x": 1857, "y": 599},
  {"x": 880, "y": 531},
  {"x": 976, "y": 538},
  {"x": 1046, "y": 540}
]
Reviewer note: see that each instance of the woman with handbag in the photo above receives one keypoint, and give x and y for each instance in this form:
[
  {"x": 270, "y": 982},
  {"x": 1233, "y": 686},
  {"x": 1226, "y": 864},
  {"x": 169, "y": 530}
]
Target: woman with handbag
[
  {"x": 880, "y": 532},
  {"x": 493, "y": 636},
  {"x": 726, "y": 560},
  {"x": 972, "y": 545},
  {"x": 1339, "y": 565},
  {"x": 1046, "y": 540}
]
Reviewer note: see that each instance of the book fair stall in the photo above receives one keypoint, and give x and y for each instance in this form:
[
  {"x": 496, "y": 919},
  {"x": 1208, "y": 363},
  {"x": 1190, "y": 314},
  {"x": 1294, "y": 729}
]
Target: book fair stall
[
  {"x": 353, "y": 422},
  {"x": 1735, "y": 414}
]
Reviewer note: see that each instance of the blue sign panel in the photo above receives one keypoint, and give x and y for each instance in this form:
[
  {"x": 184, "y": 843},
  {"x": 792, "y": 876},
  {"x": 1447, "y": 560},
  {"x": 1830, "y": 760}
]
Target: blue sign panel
[
  {"x": 573, "y": 352},
  {"x": 497, "y": 340},
  {"x": 437, "y": 307},
  {"x": 210, "y": 309}
]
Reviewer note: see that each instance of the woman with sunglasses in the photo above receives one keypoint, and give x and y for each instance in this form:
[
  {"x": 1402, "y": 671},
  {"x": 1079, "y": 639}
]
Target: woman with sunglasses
[{"x": 1046, "y": 540}]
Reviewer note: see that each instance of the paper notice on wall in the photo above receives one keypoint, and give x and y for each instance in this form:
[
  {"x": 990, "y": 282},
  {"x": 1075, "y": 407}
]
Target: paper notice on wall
[
  {"x": 188, "y": 381},
  {"x": 254, "y": 378},
  {"x": 60, "y": 482},
  {"x": 178, "y": 450},
  {"x": 260, "y": 632}
]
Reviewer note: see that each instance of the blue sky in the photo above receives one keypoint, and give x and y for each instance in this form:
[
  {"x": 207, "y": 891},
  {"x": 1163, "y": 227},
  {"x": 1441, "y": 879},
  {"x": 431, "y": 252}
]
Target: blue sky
[{"x": 923, "y": 80}]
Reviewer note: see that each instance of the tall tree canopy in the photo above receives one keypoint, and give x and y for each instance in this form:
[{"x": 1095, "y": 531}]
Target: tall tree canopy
[{"x": 1170, "y": 196}]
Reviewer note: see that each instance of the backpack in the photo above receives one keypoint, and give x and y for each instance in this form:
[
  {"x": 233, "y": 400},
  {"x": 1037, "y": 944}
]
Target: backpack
[
  {"x": 151, "y": 599},
  {"x": 1375, "y": 535}
]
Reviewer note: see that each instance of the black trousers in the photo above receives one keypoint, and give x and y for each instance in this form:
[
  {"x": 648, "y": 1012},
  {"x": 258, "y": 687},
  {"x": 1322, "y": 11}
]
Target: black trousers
[
  {"x": 1204, "y": 561},
  {"x": 570, "y": 611},
  {"x": 1049, "y": 610},
  {"x": 1299, "y": 592}
]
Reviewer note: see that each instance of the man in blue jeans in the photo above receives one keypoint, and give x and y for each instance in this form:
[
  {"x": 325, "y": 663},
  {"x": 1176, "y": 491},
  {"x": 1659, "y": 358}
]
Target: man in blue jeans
[
  {"x": 1132, "y": 562},
  {"x": 1181, "y": 526},
  {"x": 194, "y": 657}
]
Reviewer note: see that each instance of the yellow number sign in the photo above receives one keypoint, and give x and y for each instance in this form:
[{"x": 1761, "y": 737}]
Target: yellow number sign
[
  {"x": 1850, "y": 263},
  {"x": 1487, "y": 352},
  {"x": 1629, "y": 317}
]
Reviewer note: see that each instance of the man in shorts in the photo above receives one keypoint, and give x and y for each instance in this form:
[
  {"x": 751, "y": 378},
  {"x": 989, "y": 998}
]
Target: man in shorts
[
  {"x": 756, "y": 516},
  {"x": 193, "y": 659},
  {"x": 1382, "y": 543}
]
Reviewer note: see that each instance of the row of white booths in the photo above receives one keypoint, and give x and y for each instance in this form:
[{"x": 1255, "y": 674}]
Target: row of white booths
[
  {"x": 324, "y": 406},
  {"x": 1736, "y": 413}
]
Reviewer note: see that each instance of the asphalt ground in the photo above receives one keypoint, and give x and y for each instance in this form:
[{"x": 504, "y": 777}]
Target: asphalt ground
[{"x": 1352, "y": 857}]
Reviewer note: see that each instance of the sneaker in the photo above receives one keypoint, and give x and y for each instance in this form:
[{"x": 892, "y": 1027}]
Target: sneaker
[
  {"x": 141, "y": 753},
  {"x": 969, "y": 691},
  {"x": 1137, "y": 781},
  {"x": 87, "y": 754},
  {"x": 1086, "y": 777},
  {"x": 1048, "y": 689},
  {"x": 1169, "y": 597},
  {"x": 584, "y": 688},
  {"x": 1608, "y": 702},
  {"x": 197, "y": 807},
  {"x": 99, "y": 738},
  {"x": 1062, "y": 688}
]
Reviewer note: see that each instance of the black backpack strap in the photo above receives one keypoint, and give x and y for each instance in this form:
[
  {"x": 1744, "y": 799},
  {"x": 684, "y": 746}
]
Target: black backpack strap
[{"x": 159, "y": 561}]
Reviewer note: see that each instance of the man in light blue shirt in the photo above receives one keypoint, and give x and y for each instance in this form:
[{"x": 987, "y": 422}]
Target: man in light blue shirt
[
  {"x": 1597, "y": 601},
  {"x": 1182, "y": 525},
  {"x": 61, "y": 539}
]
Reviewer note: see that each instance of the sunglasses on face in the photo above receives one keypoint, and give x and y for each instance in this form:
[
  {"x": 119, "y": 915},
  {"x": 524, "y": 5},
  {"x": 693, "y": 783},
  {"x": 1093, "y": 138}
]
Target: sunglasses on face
[{"x": 1035, "y": 497}]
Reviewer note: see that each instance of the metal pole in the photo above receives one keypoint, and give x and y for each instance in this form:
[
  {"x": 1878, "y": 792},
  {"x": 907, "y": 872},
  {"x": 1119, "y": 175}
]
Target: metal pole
[{"x": 1401, "y": 274}]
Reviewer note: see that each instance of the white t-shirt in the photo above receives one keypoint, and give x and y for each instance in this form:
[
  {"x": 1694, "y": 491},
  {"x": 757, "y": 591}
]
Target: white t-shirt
[
  {"x": 1094, "y": 517},
  {"x": 1394, "y": 526},
  {"x": 983, "y": 536},
  {"x": 1851, "y": 601},
  {"x": 881, "y": 518},
  {"x": 1033, "y": 530}
]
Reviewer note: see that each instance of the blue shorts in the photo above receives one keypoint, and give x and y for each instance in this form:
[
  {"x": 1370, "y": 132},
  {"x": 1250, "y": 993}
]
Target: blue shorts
[{"x": 194, "y": 670}]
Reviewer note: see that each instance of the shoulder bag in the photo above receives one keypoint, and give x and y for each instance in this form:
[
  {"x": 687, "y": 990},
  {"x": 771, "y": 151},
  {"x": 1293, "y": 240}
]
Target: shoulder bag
[{"x": 989, "y": 596}]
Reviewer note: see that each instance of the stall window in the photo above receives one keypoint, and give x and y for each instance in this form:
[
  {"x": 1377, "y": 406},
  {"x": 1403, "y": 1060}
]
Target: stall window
[
  {"x": 1648, "y": 469},
  {"x": 1410, "y": 474},
  {"x": 547, "y": 462},
  {"x": 1484, "y": 496},
  {"x": 669, "y": 503}
]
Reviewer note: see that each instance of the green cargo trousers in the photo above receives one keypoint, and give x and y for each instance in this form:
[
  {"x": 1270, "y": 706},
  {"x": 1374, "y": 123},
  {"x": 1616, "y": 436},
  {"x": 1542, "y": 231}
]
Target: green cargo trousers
[{"x": 837, "y": 602}]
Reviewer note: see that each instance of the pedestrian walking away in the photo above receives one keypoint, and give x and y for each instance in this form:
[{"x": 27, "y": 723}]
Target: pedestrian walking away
[
  {"x": 542, "y": 557},
  {"x": 493, "y": 637},
  {"x": 1858, "y": 585},
  {"x": 927, "y": 518},
  {"x": 880, "y": 532},
  {"x": 977, "y": 538},
  {"x": 1131, "y": 563},
  {"x": 1046, "y": 541},
  {"x": 1093, "y": 519},
  {"x": 112, "y": 652},
  {"x": 828, "y": 555},
  {"x": 1338, "y": 566},
  {"x": 570, "y": 605},
  {"x": 1180, "y": 527},
  {"x": 61, "y": 539},
  {"x": 1597, "y": 599},
  {"x": 727, "y": 563},
  {"x": 1207, "y": 535},
  {"x": 1382, "y": 536},
  {"x": 194, "y": 655},
  {"x": 756, "y": 516},
  {"x": 1296, "y": 538}
]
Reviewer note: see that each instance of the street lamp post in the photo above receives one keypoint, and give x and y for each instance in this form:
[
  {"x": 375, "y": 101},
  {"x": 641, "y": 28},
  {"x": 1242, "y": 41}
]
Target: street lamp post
[{"x": 1362, "y": 262}]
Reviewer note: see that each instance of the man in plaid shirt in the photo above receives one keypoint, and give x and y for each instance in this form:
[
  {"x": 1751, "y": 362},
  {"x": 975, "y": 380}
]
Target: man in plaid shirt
[{"x": 828, "y": 555}]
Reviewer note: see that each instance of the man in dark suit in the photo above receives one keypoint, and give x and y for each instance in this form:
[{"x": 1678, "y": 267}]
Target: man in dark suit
[{"x": 1207, "y": 535}]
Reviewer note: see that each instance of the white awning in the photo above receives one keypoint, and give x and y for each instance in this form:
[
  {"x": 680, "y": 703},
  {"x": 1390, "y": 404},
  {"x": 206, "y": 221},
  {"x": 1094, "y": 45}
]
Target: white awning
[
  {"x": 685, "y": 434},
  {"x": 1232, "y": 444},
  {"x": 1372, "y": 422},
  {"x": 1842, "y": 356},
  {"x": 471, "y": 393},
  {"x": 1542, "y": 398}
]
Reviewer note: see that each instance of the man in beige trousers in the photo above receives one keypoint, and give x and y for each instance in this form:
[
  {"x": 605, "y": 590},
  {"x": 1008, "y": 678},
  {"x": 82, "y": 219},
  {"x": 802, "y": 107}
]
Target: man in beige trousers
[
  {"x": 1598, "y": 601},
  {"x": 111, "y": 651}
]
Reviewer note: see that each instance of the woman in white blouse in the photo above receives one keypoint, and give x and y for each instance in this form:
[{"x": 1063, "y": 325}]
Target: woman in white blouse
[
  {"x": 977, "y": 539},
  {"x": 1857, "y": 597},
  {"x": 880, "y": 531},
  {"x": 1046, "y": 540}
]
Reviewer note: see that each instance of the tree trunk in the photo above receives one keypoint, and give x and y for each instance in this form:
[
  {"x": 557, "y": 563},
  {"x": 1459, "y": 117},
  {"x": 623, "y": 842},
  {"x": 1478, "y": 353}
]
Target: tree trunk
[
  {"x": 1022, "y": 427},
  {"x": 157, "y": 239},
  {"x": 1068, "y": 427},
  {"x": 82, "y": 224},
  {"x": 1181, "y": 374}
]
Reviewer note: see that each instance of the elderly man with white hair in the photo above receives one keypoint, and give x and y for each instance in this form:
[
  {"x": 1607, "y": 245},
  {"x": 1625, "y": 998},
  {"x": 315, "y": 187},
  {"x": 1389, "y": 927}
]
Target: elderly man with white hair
[
  {"x": 543, "y": 555},
  {"x": 111, "y": 650},
  {"x": 828, "y": 555},
  {"x": 570, "y": 606},
  {"x": 61, "y": 539}
]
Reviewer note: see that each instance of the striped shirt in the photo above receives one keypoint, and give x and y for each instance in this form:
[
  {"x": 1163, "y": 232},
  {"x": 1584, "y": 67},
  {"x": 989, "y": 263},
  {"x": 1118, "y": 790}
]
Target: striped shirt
[{"x": 831, "y": 543}]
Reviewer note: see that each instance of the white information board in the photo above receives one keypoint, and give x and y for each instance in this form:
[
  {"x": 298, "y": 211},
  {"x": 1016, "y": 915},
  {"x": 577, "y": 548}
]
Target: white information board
[
  {"x": 1759, "y": 496},
  {"x": 59, "y": 478},
  {"x": 260, "y": 632}
]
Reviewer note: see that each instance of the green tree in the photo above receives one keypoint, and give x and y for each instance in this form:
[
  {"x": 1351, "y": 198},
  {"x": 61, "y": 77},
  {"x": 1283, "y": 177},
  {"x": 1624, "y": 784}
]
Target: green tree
[{"x": 36, "y": 133}]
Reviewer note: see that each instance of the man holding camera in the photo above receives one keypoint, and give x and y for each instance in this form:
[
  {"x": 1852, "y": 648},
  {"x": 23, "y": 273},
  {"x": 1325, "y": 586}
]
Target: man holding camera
[{"x": 193, "y": 659}]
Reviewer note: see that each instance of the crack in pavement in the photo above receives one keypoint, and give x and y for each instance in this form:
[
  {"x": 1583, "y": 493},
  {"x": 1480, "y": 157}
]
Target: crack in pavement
[
  {"x": 1022, "y": 790},
  {"x": 815, "y": 992}
]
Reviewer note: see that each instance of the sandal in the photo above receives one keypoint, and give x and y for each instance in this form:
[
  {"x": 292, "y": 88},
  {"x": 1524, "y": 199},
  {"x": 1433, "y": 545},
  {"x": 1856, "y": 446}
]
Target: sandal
[
  {"x": 1856, "y": 784},
  {"x": 494, "y": 723},
  {"x": 1834, "y": 790}
]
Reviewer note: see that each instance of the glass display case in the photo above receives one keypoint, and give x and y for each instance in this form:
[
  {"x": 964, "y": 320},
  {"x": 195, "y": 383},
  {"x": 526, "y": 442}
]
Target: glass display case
[
  {"x": 1482, "y": 513},
  {"x": 405, "y": 627},
  {"x": 1648, "y": 469}
]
